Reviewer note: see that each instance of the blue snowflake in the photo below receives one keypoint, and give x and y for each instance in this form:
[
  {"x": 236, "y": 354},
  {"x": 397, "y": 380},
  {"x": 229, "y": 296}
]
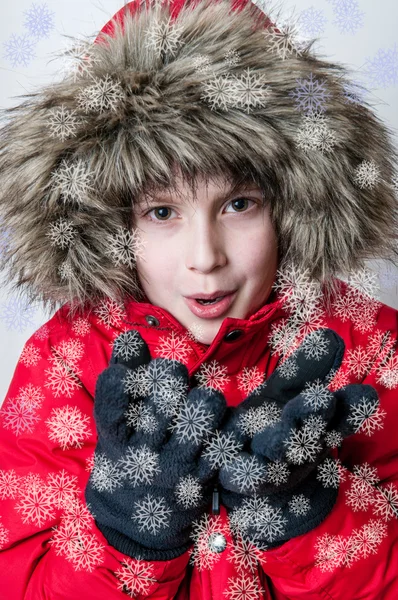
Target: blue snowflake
[
  {"x": 312, "y": 21},
  {"x": 19, "y": 50},
  {"x": 310, "y": 95},
  {"x": 382, "y": 69},
  {"x": 349, "y": 17},
  {"x": 39, "y": 20},
  {"x": 17, "y": 315},
  {"x": 355, "y": 93}
]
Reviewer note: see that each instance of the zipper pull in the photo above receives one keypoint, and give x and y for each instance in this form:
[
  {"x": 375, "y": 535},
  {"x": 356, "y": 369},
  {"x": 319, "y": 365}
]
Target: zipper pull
[{"x": 215, "y": 504}]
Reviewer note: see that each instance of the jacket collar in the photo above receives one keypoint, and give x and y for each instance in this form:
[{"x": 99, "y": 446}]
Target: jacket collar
[{"x": 238, "y": 343}]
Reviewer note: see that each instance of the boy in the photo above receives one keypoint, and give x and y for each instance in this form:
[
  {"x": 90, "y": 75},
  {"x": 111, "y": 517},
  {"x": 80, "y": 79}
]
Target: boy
[{"x": 164, "y": 447}]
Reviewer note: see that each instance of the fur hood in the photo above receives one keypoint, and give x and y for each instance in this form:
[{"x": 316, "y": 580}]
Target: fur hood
[{"x": 212, "y": 86}]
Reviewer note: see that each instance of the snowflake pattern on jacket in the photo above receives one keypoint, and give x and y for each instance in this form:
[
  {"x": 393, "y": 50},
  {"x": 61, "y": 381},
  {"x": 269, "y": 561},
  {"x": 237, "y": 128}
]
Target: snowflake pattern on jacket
[{"x": 49, "y": 542}]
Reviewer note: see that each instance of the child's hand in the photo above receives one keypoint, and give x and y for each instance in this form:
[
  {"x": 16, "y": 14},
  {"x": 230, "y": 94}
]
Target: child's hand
[
  {"x": 285, "y": 481},
  {"x": 149, "y": 482}
]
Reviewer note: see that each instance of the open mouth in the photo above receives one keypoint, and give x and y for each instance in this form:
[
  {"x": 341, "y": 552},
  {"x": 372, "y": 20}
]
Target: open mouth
[{"x": 204, "y": 302}]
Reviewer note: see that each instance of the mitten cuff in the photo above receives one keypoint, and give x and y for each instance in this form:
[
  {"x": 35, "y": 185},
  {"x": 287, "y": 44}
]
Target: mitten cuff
[{"x": 129, "y": 547}]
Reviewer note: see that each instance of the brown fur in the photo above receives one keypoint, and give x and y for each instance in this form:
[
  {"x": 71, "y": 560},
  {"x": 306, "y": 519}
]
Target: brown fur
[{"x": 325, "y": 223}]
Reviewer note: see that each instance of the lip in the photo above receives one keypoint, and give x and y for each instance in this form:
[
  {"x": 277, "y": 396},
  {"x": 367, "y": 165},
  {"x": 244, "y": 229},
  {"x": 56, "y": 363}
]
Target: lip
[
  {"x": 212, "y": 296},
  {"x": 213, "y": 310}
]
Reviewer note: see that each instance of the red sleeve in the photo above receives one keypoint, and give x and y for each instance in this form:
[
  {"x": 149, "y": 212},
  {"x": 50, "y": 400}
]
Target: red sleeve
[
  {"x": 49, "y": 543},
  {"x": 354, "y": 552}
]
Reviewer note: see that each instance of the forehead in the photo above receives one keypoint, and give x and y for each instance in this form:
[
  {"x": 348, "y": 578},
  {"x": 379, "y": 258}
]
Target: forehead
[{"x": 215, "y": 189}]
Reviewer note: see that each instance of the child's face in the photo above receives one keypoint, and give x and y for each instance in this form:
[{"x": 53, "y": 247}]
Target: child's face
[{"x": 205, "y": 246}]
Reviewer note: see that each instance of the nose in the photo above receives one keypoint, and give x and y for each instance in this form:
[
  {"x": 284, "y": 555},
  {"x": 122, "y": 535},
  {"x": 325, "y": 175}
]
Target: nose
[{"x": 205, "y": 245}]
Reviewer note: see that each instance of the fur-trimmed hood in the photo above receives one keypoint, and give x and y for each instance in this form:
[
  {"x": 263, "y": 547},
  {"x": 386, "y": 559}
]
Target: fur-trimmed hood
[{"x": 215, "y": 87}]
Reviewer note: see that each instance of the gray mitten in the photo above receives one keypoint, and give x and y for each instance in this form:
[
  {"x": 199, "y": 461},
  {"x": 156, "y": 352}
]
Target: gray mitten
[
  {"x": 149, "y": 482},
  {"x": 284, "y": 481}
]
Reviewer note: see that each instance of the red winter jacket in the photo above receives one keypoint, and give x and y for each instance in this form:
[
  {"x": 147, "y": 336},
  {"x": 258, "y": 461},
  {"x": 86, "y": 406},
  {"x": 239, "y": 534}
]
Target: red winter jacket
[{"x": 50, "y": 547}]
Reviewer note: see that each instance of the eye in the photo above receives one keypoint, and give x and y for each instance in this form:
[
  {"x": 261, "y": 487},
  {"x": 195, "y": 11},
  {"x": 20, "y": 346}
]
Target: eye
[{"x": 166, "y": 208}]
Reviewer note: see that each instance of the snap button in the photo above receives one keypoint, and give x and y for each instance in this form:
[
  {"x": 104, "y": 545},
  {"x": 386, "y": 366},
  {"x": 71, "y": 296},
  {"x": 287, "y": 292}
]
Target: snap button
[
  {"x": 233, "y": 335},
  {"x": 152, "y": 320},
  {"x": 217, "y": 542}
]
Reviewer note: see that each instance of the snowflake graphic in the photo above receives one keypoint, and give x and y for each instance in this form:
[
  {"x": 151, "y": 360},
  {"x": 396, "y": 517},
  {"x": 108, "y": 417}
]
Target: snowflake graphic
[
  {"x": 249, "y": 379},
  {"x": 349, "y": 17},
  {"x": 267, "y": 521},
  {"x": 110, "y": 313},
  {"x": 62, "y": 379},
  {"x": 4, "y": 536},
  {"x": 315, "y": 134},
  {"x": 232, "y": 58},
  {"x": 302, "y": 446},
  {"x": 81, "y": 326},
  {"x": 36, "y": 506},
  {"x": 359, "y": 496},
  {"x": 312, "y": 21},
  {"x": 174, "y": 347},
  {"x": 68, "y": 427},
  {"x": 354, "y": 93},
  {"x": 288, "y": 369},
  {"x": 164, "y": 37},
  {"x": 368, "y": 538},
  {"x": 367, "y": 416},
  {"x": 363, "y": 281},
  {"x": 310, "y": 95},
  {"x": 286, "y": 39},
  {"x": 17, "y": 314},
  {"x": 315, "y": 345},
  {"x": 218, "y": 92},
  {"x": 63, "y": 123},
  {"x": 137, "y": 382},
  {"x": 299, "y": 505},
  {"x": 221, "y": 449},
  {"x": 258, "y": 418},
  {"x": 333, "y": 439},
  {"x": 203, "y": 531},
  {"x": 278, "y": 472},
  {"x": 137, "y": 576},
  {"x": 367, "y": 174},
  {"x": 61, "y": 233},
  {"x": 152, "y": 514},
  {"x": 31, "y": 396},
  {"x": 73, "y": 180},
  {"x": 9, "y": 484},
  {"x": 105, "y": 474},
  {"x": 141, "y": 417},
  {"x": 39, "y": 20},
  {"x": 127, "y": 345},
  {"x": 249, "y": 91},
  {"x": 140, "y": 465},
  {"x": 329, "y": 473},
  {"x": 247, "y": 473},
  {"x": 386, "y": 502},
  {"x": 244, "y": 555},
  {"x": 20, "y": 50},
  {"x": 104, "y": 95},
  {"x": 243, "y": 587},
  {"x": 193, "y": 422},
  {"x": 168, "y": 399},
  {"x": 213, "y": 376},
  {"x": 125, "y": 246},
  {"x": 62, "y": 488},
  {"x": 18, "y": 417},
  {"x": 202, "y": 63},
  {"x": 382, "y": 69},
  {"x": 316, "y": 395},
  {"x": 188, "y": 491}
]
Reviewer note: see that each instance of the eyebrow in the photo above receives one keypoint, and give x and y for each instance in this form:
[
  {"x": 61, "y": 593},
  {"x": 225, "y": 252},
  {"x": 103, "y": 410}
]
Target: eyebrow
[{"x": 168, "y": 196}]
